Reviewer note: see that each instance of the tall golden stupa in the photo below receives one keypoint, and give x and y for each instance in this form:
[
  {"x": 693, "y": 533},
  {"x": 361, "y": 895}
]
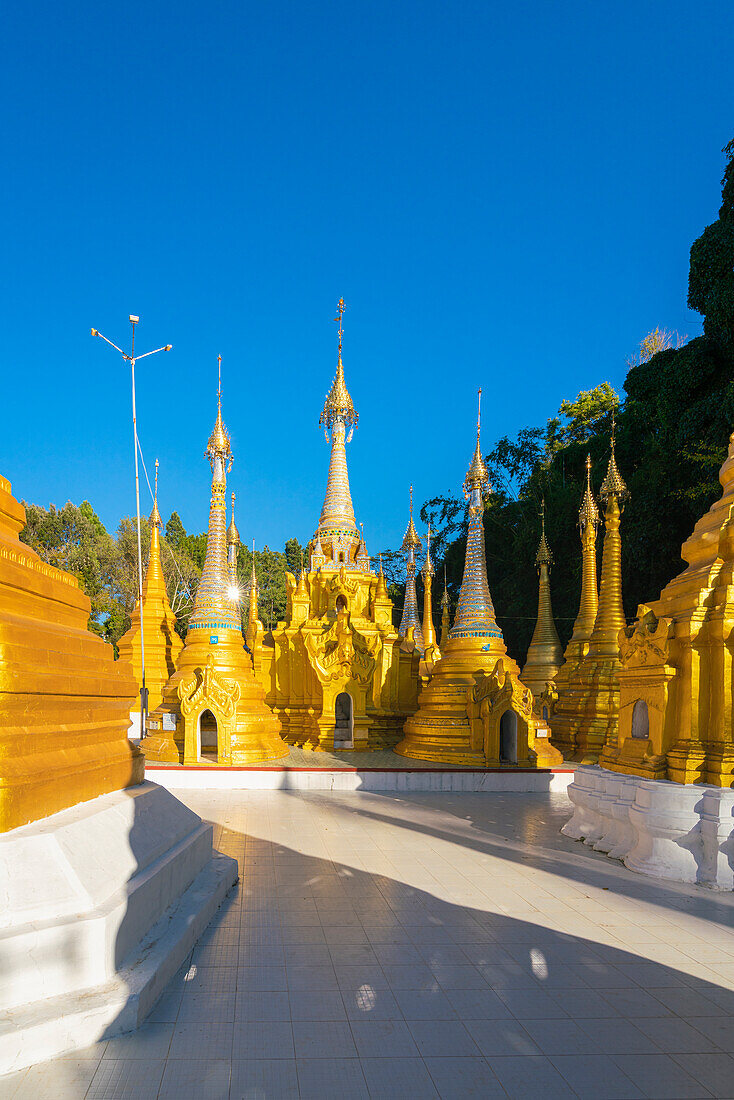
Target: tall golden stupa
[
  {"x": 410, "y": 625},
  {"x": 431, "y": 652},
  {"x": 334, "y": 671},
  {"x": 162, "y": 643},
  {"x": 474, "y": 709},
  {"x": 545, "y": 654},
  {"x": 568, "y": 696},
  {"x": 213, "y": 707}
]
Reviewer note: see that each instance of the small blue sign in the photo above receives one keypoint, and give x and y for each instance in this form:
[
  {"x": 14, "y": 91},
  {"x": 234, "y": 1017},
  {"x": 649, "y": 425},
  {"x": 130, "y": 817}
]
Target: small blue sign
[{"x": 213, "y": 639}]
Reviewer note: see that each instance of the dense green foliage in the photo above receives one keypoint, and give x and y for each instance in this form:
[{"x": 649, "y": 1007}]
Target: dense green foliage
[
  {"x": 74, "y": 538},
  {"x": 672, "y": 433}
]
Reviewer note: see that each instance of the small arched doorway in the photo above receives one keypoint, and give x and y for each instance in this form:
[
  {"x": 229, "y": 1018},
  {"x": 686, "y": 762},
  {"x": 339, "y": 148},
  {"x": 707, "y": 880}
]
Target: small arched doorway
[
  {"x": 508, "y": 738},
  {"x": 208, "y": 737},
  {"x": 640, "y": 720},
  {"x": 343, "y": 721},
  {"x": 341, "y": 604}
]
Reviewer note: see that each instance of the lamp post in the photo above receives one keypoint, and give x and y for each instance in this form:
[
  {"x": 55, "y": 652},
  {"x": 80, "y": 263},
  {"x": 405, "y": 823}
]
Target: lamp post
[{"x": 132, "y": 359}]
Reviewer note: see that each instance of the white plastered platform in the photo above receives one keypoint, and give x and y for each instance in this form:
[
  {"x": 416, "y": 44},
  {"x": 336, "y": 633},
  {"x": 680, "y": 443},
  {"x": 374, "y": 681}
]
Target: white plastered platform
[
  {"x": 357, "y": 779},
  {"x": 676, "y": 831},
  {"x": 99, "y": 906}
]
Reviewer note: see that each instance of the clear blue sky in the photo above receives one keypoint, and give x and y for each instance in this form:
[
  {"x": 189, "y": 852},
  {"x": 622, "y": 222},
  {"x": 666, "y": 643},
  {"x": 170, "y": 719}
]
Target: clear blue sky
[{"x": 504, "y": 194}]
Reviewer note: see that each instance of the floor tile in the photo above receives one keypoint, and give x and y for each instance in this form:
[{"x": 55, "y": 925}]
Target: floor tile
[
  {"x": 714, "y": 1071},
  {"x": 371, "y": 1004},
  {"x": 122, "y": 1079},
  {"x": 398, "y": 1079},
  {"x": 261, "y": 1005},
  {"x": 264, "y": 1079},
  {"x": 383, "y": 1039},
  {"x": 675, "y": 1036},
  {"x": 477, "y": 1004},
  {"x": 196, "y": 1079},
  {"x": 307, "y": 1004},
  {"x": 461, "y": 1078},
  {"x": 262, "y": 1039},
  {"x": 323, "y": 1039},
  {"x": 268, "y": 978},
  {"x": 525, "y": 1078},
  {"x": 331, "y": 1079},
  {"x": 417, "y": 1004},
  {"x": 595, "y": 1077},
  {"x": 442, "y": 1039},
  {"x": 151, "y": 1042},
  {"x": 501, "y": 1037},
  {"x": 202, "y": 1040},
  {"x": 659, "y": 1076}
]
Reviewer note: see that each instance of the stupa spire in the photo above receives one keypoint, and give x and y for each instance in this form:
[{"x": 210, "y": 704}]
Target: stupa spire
[
  {"x": 429, "y": 634},
  {"x": 337, "y": 530},
  {"x": 212, "y": 604},
  {"x": 545, "y": 654},
  {"x": 610, "y": 617},
  {"x": 475, "y": 615},
  {"x": 154, "y": 584},
  {"x": 233, "y": 545},
  {"x": 410, "y": 546},
  {"x": 445, "y": 610}
]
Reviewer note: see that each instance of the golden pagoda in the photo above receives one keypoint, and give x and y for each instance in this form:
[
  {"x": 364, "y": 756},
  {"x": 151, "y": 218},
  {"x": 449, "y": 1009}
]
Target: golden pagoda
[
  {"x": 162, "y": 643},
  {"x": 333, "y": 670},
  {"x": 64, "y": 700},
  {"x": 474, "y": 709},
  {"x": 676, "y": 687},
  {"x": 410, "y": 625},
  {"x": 598, "y": 685},
  {"x": 567, "y": 698},
  {"x": 213, "y": 707},
  {"x": 545, "y": 654},
  {"x": 431, "y": 652}
]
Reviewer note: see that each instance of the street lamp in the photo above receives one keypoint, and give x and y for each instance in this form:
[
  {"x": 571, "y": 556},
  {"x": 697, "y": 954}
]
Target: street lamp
[{"x": 132, "y": 359}]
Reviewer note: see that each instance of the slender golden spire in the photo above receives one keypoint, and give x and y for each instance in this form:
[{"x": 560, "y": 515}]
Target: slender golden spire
[
  {"x": 155, "y": 516},
  {"x": 154, "y": 584},
  {"x": 610, "y": 617},
  {"x": 233, "y": 535},
  {"x": 429, "y": 634},
  {"x": 338, "y": 404},
  {"x": 475, "y": 616},
  {"x": 337, "y": 530},
  {"x": 381, "y": 591},
  {"x": 213, "y": 608},
  {"x": 219, "y": 443},
  {"x": 411, "y": 545},
  {"x": 545, "y": 654},
  {"x": 445, "y": 611}
]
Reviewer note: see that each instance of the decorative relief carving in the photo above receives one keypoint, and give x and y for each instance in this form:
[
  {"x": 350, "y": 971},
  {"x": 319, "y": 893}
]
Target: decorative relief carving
[{"x": 209, "y": 686}]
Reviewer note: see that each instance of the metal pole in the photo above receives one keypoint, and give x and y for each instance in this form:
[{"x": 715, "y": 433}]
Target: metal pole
[{"x": 143, "y": 690}]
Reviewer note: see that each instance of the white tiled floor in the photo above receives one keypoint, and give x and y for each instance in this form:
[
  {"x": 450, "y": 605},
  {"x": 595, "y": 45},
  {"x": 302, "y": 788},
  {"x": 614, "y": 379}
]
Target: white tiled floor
[{"x": 427, "y": 945}]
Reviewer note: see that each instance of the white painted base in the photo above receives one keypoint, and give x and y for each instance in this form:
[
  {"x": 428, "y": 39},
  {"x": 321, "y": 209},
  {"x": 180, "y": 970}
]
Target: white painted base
[
  {"x": 676, "y": 831},
  {"x": 345, "y": 779},
  {"x": 100, "y": 905}
]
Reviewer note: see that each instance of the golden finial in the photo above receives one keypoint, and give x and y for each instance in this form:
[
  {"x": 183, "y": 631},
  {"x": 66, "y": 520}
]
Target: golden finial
[
  {"x": 155, "y": 516},
  {"x": 233, "y": 535},
  {"x": 477, "y": 476},
  {"x": 543, "y": 556},
  {"x": 588, "y": 512},
  {"x": 411, "y": 539},
  {"x": 613, "y": 484},
  {"x": 428, "y": 569},
  {"x": 219, "y": 443},
  {"x": 338, "y": 404},
  {"x": 445, "y": 597}
]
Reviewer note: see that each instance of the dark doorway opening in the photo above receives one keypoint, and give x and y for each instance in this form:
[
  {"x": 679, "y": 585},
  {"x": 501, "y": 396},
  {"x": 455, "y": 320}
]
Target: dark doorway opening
[
  {"x": 208, "y": 737},
  {"x": 343, "y": 722},
  {"x": 508, "y": 738}
]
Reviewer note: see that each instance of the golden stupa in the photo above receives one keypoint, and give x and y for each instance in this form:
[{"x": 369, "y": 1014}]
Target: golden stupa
[
  {"x": 64, "y": 700},
  {"x": 545, "y": 654},
  {"x": 334, "y": 670},
  {"x": 676, "y": 686},
  {"x": 567, "y": 698},
  {"x": 162, "y": 644},
  {"x": 410, "y": 625},
  {"x": 596, "y": 683},
  {"x": 213, "y": 707},
  {"x": 474, "y": 709},
  {"x": 431, "y": 652}
]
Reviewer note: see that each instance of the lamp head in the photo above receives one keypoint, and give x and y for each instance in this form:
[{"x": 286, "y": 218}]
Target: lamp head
[
  {"x": 133, "y": 318},
  {"x": 168, "y": 347}
]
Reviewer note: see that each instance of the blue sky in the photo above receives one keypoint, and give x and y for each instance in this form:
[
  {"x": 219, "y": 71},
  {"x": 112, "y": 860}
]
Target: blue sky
[{"x": 505, "y": 195}]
